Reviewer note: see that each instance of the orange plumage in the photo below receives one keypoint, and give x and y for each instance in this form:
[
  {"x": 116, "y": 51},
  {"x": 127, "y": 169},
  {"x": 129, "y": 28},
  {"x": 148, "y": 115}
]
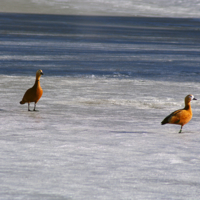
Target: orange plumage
[
  {"x": 33, "y": 94},
  {"x": 182, "y": 116}
]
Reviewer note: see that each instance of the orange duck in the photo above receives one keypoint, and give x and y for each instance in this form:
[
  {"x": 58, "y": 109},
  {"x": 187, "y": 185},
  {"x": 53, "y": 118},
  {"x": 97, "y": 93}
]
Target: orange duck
[
  {"x": 182, "y": 116},
  {"x": 33, "y": 94}
]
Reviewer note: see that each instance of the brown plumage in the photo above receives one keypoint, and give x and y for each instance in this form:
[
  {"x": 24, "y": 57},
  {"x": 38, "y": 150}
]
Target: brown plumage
[
  {"x": 33, "y": 94},
  {"x": 182, "y": 116}
]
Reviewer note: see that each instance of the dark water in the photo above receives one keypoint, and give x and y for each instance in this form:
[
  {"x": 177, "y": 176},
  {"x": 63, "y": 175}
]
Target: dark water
[{"x": 137, "y": 47}]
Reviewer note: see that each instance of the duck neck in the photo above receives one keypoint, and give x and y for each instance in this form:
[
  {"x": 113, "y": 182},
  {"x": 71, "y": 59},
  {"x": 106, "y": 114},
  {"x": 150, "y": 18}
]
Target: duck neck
[
  {"x": 37, "y": 81},
  {"x": 187, "y": 106}
]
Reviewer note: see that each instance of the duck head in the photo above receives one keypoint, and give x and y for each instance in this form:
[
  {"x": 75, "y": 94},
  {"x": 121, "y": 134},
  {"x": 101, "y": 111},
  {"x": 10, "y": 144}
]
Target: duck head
[{"x": 39, "y": 73}]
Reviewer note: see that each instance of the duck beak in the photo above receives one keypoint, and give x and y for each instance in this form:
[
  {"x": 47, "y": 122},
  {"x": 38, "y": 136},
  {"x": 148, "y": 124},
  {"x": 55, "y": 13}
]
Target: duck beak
[
  {"x": 41, "y": 73},
  {"x": 194, "y": 99}
]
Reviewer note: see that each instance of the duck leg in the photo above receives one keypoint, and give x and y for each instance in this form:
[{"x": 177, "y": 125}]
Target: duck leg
[
  {"x": 181, "y": 129},
  {"x": 29, "y": 107},
  {"x": 34, "y": 107}
]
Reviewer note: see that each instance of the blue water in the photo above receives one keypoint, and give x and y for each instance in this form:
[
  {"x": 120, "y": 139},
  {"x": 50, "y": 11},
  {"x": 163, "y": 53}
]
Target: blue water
[{"x": 131, "y": 47}]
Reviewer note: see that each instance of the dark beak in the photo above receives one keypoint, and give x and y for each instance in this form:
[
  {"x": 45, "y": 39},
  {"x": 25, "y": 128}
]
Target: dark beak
[
  {"x": 194, "y": 99},
  {"x": 41, "y": 73}
]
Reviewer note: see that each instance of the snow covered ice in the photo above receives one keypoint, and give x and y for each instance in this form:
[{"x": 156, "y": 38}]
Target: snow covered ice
[{"x": 108, "y": 83}]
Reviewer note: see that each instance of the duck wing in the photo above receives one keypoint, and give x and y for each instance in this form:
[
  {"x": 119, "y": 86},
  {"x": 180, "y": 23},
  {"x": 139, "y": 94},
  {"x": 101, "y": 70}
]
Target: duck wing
[{"x": 173, "y": 118}]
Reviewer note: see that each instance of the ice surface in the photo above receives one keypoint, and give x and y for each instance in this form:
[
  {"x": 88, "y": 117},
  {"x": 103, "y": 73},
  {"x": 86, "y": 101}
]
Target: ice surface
[
  {"x": 108, "y": 83},
  {"x": 96, "y": 138}
]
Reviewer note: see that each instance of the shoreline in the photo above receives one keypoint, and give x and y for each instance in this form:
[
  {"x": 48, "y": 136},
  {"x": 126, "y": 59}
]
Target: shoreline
[{"x": 144, "y": 9}]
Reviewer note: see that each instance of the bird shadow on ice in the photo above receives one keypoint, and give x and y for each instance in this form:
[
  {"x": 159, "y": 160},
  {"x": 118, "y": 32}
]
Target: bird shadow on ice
[
  {"x": 32, "y": 114},
  {"x": 129, "y": 132}
]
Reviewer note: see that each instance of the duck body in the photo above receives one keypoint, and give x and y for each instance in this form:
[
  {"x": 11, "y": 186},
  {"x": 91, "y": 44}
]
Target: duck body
[
  {"x": 33, "y": 94},
  {"x": 182, "y": 116}
]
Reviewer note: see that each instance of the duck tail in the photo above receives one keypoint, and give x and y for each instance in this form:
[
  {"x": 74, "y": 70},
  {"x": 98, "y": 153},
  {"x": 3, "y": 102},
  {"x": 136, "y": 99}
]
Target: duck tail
[
  {"x": 22, "y": 102},
  {"x": 165, "y": 121}
]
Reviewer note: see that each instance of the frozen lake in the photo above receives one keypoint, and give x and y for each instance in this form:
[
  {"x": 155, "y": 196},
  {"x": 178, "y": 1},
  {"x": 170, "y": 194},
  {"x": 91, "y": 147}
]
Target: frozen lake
[{"x": 108, "y": 83}]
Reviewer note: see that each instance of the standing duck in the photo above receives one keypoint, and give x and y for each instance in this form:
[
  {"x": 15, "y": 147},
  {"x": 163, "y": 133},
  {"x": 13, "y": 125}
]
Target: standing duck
[
  {"x": 33, "y": 94},
  {"x": 182, "y": 116}
]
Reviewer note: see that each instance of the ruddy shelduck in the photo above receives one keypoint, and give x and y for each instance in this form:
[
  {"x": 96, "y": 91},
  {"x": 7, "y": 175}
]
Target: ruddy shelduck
[
  {"x": 182, "y": 116},
  {"x": 33, "y": 94}
]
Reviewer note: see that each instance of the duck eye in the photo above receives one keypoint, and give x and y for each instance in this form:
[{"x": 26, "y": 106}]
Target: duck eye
[{"x": 191, "y": 96}]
